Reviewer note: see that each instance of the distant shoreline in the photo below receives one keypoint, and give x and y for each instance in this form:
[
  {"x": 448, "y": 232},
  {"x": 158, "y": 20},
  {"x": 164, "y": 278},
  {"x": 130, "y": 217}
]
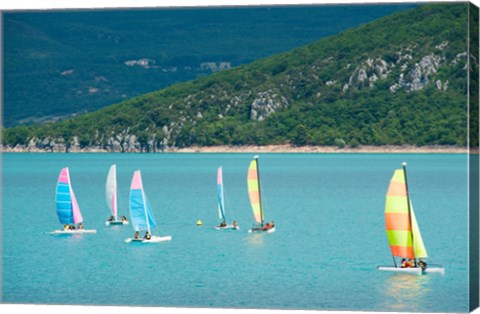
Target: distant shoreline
[
  {"x": 322, "y": 149},
  {"x": 274, "y": 149}
]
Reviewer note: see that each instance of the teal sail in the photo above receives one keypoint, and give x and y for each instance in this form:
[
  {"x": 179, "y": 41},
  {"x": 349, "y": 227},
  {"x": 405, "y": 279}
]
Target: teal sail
[
  {"x": 140, "y": 210},
  {"x": 221, "y": 202}
]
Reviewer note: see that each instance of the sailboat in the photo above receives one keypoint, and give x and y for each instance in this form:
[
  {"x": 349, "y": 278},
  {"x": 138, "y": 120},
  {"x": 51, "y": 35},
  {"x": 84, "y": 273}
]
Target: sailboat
[
  {"x": 111, "y": 197},
  {"x": 221, "y": 204},
  {"x": 255, "y": 195},
  {"x": 68, "y": 211},
  {"x": 141, "y": 213},
  {"x": 403, "y": 232}
]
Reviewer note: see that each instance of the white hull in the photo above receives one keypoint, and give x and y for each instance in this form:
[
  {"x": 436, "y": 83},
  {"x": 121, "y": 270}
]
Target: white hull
[
  {"x": 153, "y": 239},
  {"x": 115, "y": 222},
  {"x": 256, "y": 230},
  {"x": 412, "y": 270},
  {"x": 227, "y": 227},
  {"x": 76, "y": 231}
]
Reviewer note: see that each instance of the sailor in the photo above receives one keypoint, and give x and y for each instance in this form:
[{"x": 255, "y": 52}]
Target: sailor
[
  {"x": 404, "y": 263},
  {"x": 411, "y": 263},
  {"x": 136, "y": 235},
  {"x": 111, "y": 218},
  {"x": 422, "y": 264},
  {"x": 80, "y": 226},
  {"x": 267, "y": 227},
  {"x": 124, "y": 218},
  {"x": 71, "y": 227},
  {"x": 147, "y": 236},
  {"x": 223, "y": 224},
  {"x": 65, "y": 227},
  {"x": 235, "y": 224}
]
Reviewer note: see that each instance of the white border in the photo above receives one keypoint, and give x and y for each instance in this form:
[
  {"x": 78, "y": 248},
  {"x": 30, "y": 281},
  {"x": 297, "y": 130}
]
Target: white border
[{"x": 87, "y": 4}]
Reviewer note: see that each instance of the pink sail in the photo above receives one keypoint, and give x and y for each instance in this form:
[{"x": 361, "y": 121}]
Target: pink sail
[
  {"x": 219, "y": 176},
  {"x": 136, "y": 181},
  {"x": 77, "y": 215},
  {"x": 64, "y": 177}
]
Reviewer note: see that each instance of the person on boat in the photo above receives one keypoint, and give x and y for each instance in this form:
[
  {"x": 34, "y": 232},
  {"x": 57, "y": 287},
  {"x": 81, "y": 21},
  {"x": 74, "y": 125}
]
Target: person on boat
[
  {"x": 235, "y": 224},
  {"x": 136, "y": 236},
  {"x": 267, "y": 227},
  {"x": 223, "y": 224},
  {"x": 272, "y": 224},
  {"x": 111, "y": 218},
  {"x": 65, "y": 227},
  {"x": 80, "y": 226},
  {"x": 422, "y": 264},
  {"x": 124, "y": 219},
  {"x": 411, "y": 263},
  {"x": 404, "y": 263},
  {"x": 71, "y": 227},
  {"x": 147, "y": 236}
]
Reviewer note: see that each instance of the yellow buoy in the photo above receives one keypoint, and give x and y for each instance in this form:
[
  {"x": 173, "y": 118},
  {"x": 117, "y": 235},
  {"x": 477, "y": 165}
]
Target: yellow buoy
[{"x": 199, "y": 223}]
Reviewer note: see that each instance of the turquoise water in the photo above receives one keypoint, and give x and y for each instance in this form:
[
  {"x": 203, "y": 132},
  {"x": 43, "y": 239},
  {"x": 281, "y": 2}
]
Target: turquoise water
[{"x": 330, "y": 234}]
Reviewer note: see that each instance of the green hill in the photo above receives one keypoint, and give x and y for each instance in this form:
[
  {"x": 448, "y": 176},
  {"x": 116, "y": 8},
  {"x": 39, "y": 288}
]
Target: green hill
[
  {"x": 399, "y": 80},
  {"x": 75, "y": 61}
]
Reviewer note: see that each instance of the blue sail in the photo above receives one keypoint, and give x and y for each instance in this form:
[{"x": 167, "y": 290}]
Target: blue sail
[
  {"x": 151, "y": 219},
  {"x": 221, "y": 210},
  {"x": 140, "y": 210},
  {"x": 63, "y": 199},
  {"x": 221, "y": 202}
]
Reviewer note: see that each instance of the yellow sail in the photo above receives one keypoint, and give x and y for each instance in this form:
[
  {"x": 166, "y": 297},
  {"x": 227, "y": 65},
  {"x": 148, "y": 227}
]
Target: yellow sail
[
  {"x": 418, "y": 246},
  {"x": 254, "y": 191},
  {"x": 401, "y": 225}
]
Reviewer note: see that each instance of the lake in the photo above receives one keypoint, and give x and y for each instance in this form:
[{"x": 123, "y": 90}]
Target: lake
[{"x": 330, "y": 233}]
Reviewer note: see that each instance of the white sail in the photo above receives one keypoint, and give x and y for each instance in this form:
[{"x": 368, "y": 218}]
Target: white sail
[{"x": 111, "y": 190}]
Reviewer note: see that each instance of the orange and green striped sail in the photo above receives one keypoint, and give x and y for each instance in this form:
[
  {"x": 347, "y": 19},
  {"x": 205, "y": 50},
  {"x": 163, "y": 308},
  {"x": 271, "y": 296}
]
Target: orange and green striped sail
[
  {"x": 402, "y": 228},
  {"x": 254, "y": 191}
]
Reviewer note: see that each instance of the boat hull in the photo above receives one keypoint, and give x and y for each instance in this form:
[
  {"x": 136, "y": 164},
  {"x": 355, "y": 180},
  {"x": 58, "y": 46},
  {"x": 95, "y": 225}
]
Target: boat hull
[
  {"x": 81, "y": 231},
  {"x": 227, "y": 227},
  {"x": 271, "y": 230},
  {"x": 115, "y": 223},
  {"x": 412, "y": 270},
  {"x": 153, "y": 239}
]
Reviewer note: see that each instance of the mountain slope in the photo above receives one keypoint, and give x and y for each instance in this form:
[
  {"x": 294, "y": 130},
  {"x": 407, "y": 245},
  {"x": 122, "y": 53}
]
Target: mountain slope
[
  {"x": 76, "y": 61},
  {"x": 399, "y": 80}
]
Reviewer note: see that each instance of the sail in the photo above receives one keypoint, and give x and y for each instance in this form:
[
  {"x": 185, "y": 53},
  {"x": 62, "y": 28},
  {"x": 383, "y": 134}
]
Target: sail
[
  {"x": 140, "y": 210},
  {"x": 68, "y": 211},
  {"x": 111, "y": 190},
  {"x": 399, "y": 220},
  {"x": 254, "y": 191},
  {"x": 221, "y": 203},
  {"x": 418, "y": 246}
]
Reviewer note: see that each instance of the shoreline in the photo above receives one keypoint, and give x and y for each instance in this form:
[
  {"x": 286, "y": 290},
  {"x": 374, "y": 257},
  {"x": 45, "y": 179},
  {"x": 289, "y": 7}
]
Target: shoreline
[{"x": 285, "y": 148}]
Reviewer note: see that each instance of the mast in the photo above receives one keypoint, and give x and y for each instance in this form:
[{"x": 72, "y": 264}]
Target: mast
[
  {"x": 404, "y": 166},
  {"x": 259, "y": 189}
]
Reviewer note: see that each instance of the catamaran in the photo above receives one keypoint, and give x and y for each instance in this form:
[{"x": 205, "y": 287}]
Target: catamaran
[
  {"x": 221, "y": 204},
  {"x": 402, "y": 229},
  {"x": 255, "y": 195},
  {"x": 141, "y": 213},
  {"x": 111, "y": 197},
  {"x": 68, "y": 211}
]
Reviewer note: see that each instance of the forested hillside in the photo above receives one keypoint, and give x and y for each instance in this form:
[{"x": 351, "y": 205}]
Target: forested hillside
[
  {"x": 63, "y": 63},
  {"x": 399, "y": 80}
]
